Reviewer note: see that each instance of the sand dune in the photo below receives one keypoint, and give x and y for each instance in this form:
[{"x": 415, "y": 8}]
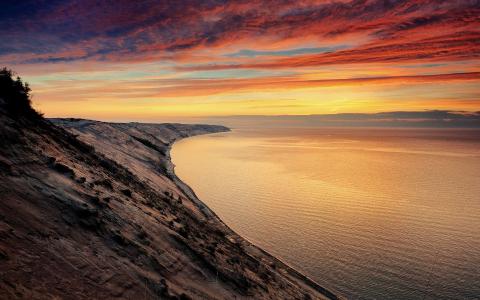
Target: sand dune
[{"x": 103, "y": 216}]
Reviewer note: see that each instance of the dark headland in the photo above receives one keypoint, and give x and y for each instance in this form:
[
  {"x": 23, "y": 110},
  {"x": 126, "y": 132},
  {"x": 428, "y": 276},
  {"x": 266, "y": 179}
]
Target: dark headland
[{"x": 93, "y": 210}]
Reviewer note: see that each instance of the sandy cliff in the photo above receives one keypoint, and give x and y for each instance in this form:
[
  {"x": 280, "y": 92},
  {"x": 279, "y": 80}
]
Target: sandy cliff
[{"x": 91, "y": 210}]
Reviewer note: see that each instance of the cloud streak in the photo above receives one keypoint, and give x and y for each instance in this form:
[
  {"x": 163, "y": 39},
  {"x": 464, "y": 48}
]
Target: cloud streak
[
  {"x": 109, "y": 30},
  {"x": 167, "y": 88}
]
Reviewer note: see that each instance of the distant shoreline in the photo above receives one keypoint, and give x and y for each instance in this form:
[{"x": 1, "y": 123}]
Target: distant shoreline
[{"x": 250, "y": 270}]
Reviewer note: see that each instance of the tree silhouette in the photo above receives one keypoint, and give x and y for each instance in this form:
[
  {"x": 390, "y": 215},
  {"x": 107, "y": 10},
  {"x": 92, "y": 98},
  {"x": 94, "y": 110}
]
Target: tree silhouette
[{"x": 16, "y": 95}]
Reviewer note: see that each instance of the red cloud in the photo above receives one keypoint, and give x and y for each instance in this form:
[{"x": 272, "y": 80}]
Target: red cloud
[{"x": 376, "y": 30}]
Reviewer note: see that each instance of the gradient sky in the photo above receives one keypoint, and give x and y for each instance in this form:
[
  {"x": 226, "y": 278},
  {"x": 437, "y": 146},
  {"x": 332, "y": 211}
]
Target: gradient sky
[{"x": 152, "y": 60}]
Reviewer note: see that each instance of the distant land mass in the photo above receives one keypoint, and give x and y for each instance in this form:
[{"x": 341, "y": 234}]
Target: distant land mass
[{"x": 424, "y": 119}]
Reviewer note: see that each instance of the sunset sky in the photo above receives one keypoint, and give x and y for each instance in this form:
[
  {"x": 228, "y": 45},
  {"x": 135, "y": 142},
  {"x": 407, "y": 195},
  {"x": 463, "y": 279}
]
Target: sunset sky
[{"x": 148, "y": 60}]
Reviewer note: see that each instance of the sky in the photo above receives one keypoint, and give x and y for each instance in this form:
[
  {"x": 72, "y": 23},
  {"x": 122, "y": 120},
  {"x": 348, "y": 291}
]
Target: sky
[{"x": 158, "y": 60}]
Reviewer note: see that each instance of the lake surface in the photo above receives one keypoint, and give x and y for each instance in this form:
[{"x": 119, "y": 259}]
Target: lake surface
[{"x": 369, "y": 213}]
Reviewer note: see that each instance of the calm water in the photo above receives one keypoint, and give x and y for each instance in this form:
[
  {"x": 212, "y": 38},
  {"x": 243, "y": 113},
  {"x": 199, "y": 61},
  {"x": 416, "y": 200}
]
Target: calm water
[{"x": 371, "y": 214}]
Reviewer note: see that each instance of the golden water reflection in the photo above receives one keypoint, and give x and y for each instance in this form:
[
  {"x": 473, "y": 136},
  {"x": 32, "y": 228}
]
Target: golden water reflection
[{"x": 371, "y": 213}]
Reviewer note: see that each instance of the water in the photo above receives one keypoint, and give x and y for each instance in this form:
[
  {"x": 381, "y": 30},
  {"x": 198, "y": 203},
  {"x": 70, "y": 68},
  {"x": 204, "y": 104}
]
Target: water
[{"x": 369, "y": 213}]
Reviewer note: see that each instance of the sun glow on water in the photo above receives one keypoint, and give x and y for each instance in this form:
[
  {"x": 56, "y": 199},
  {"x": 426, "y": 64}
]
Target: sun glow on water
[{"x": 378, "y": 213}]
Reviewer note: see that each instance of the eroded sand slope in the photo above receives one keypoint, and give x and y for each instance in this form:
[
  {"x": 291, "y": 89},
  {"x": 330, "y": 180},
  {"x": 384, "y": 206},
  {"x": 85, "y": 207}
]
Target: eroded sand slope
[{"x": 103, "y": 216}]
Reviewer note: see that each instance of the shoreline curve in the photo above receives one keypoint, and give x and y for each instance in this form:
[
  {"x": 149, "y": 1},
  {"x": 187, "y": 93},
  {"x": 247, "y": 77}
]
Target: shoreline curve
[{"x": 170, "y": 170}]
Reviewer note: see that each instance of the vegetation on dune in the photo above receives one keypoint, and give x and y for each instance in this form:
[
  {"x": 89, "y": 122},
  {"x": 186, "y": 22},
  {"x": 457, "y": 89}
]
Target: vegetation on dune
[{"x": 16, "y": 95}]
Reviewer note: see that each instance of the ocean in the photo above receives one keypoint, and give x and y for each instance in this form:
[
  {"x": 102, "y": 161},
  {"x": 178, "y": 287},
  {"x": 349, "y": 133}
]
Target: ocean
[{"x": 367, "y": 212}]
